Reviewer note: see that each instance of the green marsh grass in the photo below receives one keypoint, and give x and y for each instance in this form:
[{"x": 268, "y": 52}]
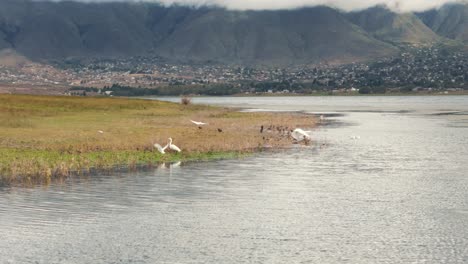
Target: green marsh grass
[{"x": 46, "y": 137}]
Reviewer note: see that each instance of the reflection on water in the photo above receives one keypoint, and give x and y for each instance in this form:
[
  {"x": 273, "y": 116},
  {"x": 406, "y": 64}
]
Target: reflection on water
[{"x": 376, "y": 187}]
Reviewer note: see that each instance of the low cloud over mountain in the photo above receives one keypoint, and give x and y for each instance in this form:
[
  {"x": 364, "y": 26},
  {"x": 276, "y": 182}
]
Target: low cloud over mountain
[{"x": 348, "y": 5}]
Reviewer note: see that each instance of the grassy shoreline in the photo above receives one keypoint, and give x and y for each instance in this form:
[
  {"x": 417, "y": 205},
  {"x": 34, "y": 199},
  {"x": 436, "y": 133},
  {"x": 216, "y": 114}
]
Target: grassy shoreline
[{"x": 47, "y": 137}]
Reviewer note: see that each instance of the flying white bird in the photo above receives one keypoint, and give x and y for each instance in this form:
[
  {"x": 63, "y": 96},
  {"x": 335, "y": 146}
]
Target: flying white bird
[
  {"x": 198, "y": 123},
  {"x": 300, "y": 135},
  {"x": 100, "y": 132}
]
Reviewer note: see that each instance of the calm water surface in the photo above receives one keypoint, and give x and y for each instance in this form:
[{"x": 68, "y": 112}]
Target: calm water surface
[{"x": 396, "y": 194}]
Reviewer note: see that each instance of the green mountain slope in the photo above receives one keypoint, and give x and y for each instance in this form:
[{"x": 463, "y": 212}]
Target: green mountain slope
[
  {"x": 278, "y": 37},
  {"x": 450, "y": 21},
  {"x": 392, "y": 27}
]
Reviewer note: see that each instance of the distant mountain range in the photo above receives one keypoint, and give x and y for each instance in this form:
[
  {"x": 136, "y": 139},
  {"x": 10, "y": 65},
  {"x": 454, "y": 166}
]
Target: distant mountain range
[{"x": 51, "y": 30}]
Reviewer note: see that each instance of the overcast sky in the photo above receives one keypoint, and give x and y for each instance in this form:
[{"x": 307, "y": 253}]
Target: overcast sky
[{"x": 398, "y": 5}]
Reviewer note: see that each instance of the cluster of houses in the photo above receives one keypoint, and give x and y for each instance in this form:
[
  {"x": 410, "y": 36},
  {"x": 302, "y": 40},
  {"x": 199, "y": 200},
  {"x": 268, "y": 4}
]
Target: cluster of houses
[
  {"x": 81, "y": 92},
  {"x": 421, "y": 69}
]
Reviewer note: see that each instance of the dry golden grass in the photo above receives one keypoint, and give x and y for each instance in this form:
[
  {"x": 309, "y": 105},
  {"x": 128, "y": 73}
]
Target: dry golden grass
[{"x": 44, "y": 136}]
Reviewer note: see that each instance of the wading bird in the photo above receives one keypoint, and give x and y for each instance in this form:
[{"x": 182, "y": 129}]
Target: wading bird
[
  {"x": 172, "y": 146},
  {"x": 169, "y": 145},
  {"x": 160, "y": 149},
  {"x": 300, "y": 135}
]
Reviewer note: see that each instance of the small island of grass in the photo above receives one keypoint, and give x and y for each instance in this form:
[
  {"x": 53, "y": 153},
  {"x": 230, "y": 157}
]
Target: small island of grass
[{"x": 46, "y": 137}]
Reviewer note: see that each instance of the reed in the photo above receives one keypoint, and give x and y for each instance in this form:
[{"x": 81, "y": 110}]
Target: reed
[{"x": 44, "y": 137}]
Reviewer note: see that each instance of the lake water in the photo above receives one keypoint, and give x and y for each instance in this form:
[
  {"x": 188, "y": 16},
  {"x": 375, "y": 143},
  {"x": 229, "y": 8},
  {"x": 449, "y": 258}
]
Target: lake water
[{"x": 386, "y": 181}]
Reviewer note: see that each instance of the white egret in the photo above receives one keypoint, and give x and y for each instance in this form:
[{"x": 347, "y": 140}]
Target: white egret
[
  {"x": 100, "y": 132},
  {"x": 162, "y": 150},
  {"x": 199, "y": 124},
  {"x": 172, "y": 146},
  {"x": 300, "y": 135},
  {"x": 169, "y": 145}
]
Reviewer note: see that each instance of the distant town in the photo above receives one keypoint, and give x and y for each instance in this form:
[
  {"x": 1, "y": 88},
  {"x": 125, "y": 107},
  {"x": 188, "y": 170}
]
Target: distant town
[{"x": 424, "y": 69}]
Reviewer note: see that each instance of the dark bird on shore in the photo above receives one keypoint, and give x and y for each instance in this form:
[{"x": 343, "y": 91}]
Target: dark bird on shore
[
  {"x": 220, "y": 130},
  {"x": 261, "y": 129}
]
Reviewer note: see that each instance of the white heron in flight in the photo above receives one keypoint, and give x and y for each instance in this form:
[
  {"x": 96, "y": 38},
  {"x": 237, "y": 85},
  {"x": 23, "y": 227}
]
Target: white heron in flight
[
  {"x": 300, "y": 135},
  {"x": 169, "y": 145},
  {"x": 199, "y": 124}
]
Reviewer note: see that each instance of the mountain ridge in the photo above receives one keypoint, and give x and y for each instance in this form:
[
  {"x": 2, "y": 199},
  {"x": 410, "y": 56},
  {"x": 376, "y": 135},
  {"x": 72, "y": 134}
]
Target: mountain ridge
[
  {"x": 450, "y": 21},
  {"x": 58, "y": 30},
  {"x": 389, "y": 26}
]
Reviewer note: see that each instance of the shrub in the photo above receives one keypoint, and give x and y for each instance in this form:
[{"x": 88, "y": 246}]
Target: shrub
[
  {"x": 186, "y": 100},
  {"x": 364, "y": 90}
]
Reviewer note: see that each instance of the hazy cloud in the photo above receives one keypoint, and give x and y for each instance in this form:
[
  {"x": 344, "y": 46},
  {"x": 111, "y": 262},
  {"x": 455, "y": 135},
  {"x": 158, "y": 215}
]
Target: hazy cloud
[{"x": 397, "y": 5}]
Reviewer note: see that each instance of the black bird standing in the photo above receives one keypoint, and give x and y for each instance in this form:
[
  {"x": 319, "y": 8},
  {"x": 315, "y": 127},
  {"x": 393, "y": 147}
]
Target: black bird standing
[
  {"x": 261, "y": 129},
  {"x": 220, "y": 130}
]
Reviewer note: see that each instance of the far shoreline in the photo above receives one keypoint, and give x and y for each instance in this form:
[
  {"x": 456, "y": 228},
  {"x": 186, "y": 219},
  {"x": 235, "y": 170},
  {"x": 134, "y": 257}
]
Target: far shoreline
[{"x": 302, "y": 95}]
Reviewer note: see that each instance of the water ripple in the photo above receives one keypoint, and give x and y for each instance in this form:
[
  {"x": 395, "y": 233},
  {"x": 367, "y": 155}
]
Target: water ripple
[{"x": 395, "y": 194}]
